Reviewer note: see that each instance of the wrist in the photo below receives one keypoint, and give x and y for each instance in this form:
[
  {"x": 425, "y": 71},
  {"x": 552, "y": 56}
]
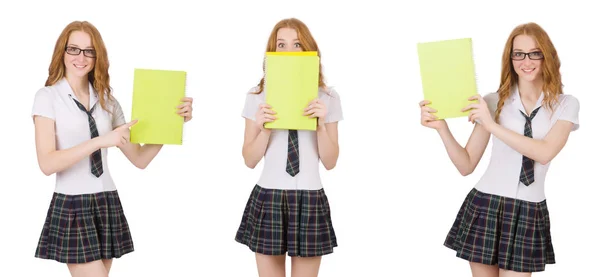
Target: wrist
[{"x": 98, "y": 142}]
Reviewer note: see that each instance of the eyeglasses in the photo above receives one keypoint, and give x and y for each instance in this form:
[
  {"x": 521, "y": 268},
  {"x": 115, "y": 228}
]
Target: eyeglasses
[
  {"x": 519, "y": 56},
  {"x": 90, "y": 53}
]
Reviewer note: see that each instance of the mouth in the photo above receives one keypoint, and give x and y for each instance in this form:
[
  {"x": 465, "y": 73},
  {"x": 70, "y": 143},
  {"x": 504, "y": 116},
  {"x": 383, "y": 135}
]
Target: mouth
[
  {"x": 79, "y": 66},
  {"x": 528, "y": 70}
]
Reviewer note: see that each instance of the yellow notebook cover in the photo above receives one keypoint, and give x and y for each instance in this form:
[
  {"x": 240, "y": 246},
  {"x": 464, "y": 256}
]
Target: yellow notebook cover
[
  {"x": 156, "y": 95},
  {"x": 448, "y": 75},
  {"x": 291, "y": 82}
]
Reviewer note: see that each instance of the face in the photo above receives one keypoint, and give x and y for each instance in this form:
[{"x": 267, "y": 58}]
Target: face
[
  {"x": 527, "y": 58},
  {"x": 79, "y": 54},
  {"x": 287, "y": 40}
]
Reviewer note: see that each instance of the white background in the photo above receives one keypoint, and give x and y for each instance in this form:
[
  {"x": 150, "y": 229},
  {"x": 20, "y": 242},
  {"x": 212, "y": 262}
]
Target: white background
[{"x": 394, "y": 193}]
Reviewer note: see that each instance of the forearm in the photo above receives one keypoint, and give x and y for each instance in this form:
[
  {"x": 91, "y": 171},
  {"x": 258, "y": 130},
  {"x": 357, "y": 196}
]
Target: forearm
[
  {"x": 254, "y": 150},
  {"x": 328, "y": 150},
  {"x": 59, "y": 160},
  {"x": 529, "y": 147},
  {"x": 458, "y": 154},
  {"x": 145, "y": 154}
]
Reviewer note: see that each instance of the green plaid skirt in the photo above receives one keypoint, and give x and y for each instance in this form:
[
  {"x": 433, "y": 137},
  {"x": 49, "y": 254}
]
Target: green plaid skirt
[
  {"x": 84, "y": 228},
  {"x": 294, "y": 221},
  {"x": 495, "y": 230}
]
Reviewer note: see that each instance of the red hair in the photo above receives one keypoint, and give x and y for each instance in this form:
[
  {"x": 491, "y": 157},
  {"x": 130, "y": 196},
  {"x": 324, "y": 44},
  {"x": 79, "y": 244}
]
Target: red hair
[
  {"x": 98, "y": 76},
  {"x": 306, "y": 39},
  {"x": 552, "y": 84}
]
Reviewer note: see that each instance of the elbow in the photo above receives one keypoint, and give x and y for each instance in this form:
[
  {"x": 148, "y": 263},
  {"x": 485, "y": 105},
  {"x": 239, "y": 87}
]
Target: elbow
[
  {"x": 46, "y": 170},
  {"x": 250, "y": 164},
  {"x": 329, "y": 166},
  {"x": 141, "y": 166},
  {"x": 545, "y": 160},
  {"x": 465, "y": 171}
]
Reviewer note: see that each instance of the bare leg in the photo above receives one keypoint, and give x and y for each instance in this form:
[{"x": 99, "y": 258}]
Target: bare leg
[
  {"x": 484, "y": 270},
  {"x": 270, "y": 266},
  {"x": 305, "y": 267},
  {"x": 509, "y": 273},
  {"x": 91, "y": 269},
  {"x": 107, "y": 265}
]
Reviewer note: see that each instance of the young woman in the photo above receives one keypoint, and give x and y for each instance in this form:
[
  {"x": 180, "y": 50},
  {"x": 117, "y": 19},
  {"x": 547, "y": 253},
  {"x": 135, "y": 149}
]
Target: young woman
[
  {"x": 288, "y": 210},
  {"x": 503, "y": 226},
  {"x": 76, "y": 119}
]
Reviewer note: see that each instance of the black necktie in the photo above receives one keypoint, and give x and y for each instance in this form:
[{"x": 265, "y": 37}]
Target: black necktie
[
  {"x": 96, "y": 157},
  {"x": 292, "y": 165},
  {"x": 527, "y": 167}
]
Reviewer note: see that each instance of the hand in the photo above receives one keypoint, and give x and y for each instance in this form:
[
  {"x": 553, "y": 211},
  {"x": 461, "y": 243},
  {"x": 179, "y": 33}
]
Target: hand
[
  {"x": 263, "y": 115},
  {"x": 428, "y": 119},
  {"x": 185, "y": 109},
  {"x": 117, "y": 137},
  {"x": 479, "y": 112},
  {"x": 316, "y": 108}
]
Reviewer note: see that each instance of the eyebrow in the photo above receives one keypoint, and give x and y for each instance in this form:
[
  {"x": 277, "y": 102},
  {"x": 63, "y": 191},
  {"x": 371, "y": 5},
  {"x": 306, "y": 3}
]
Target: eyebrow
[
  {"x": 533, "y": 49},
  {"x": 284, "y": 39},
  {"x": 75, "y": 45}
]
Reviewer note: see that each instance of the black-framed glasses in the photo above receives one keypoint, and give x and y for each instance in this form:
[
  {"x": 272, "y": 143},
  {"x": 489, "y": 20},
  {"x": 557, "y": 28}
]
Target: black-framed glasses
[
  {"x": 90, "y": 53},
  {"x": 519, "y": 56}
]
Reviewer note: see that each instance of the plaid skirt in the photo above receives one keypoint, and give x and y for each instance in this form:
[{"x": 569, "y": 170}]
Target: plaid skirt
[
  {"x": 294, "y": 221},
  {"x": 495, "y": 230},
  {"x": 84, "y": 228}
]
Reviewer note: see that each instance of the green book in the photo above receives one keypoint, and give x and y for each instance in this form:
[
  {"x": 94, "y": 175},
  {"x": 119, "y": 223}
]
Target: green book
[
  {"x": 448, "y": 75},
  {"x": 156, "y": 95},
  {"x": 291, "y": 83}
]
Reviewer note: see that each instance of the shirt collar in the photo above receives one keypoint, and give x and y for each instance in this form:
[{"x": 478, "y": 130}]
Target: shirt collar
[
  {"x": 65, "y": 88},
  {"x": 516, "y": 99}
]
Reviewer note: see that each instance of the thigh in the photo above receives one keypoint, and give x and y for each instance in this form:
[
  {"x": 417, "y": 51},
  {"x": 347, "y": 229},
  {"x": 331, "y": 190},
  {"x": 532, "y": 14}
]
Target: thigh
[
  {"x": 305, "y": 267},
  {"x": 509, "y": 273},
  {"x": 270, "y": 266},
  {"x": 484, "y": 270},
  {"x": 91, "y": 269},
  {"x": 107, "y": 265}
]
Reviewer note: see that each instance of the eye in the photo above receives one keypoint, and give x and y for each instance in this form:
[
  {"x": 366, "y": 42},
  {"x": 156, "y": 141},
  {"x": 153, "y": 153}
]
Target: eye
[
  {"x": 281, "y": 45},
  {"x": 537, "y": 54},
  {"x": 297, "y": 45},
  {"x": 517, "y": 54}
]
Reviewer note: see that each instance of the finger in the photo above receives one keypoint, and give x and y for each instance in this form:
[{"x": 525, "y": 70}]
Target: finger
[
  {"x": 268, "y": 111},
  {"x": 470, "y": 107},
  {"x": 429, "y": 117},
  {"x": 123, "y": 141},
  {"x": 129, "y": 124},
  {"x": 268, "y": 116},
  {"x": 424, "y": 102},
  {"x": 429, "y": 109},
  {"x": 184, "y": 110},
  {"x": 475, "y": 97},
  {"x": 264, "y": 105},
  {"x": 187, "y": 99}
]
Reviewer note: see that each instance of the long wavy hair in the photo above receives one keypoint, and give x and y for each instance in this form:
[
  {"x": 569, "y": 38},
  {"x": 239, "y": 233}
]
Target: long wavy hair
[
  {"x": 307, "y": 43},
  {"x": 552, "y": 84},
  {"x": 98, "y": 77}
]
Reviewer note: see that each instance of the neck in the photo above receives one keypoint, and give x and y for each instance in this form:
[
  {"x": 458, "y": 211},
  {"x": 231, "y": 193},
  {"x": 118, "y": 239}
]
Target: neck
[
  {"x": 79, "y": 85},
  {"x": 530, "y": 90}
]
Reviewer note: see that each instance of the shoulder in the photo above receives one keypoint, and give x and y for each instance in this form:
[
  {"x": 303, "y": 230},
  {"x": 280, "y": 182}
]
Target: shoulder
[
  {"x": 491, "y": 98},
  {"x": 568, "y": 100},
  {"x": 328, "y": 92}
]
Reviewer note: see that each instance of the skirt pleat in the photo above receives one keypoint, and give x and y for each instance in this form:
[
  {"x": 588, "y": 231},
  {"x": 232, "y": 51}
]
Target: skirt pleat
[
  {"x": 296, "y": 222},
  {"x": 84, "y": 228},
  {"x": 513, "y": 234}
]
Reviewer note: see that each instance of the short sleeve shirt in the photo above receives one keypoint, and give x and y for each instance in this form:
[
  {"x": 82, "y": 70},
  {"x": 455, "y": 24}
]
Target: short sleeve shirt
[
  {"x": 56, "y": 102},
  {"x": 274, "y": 175}
]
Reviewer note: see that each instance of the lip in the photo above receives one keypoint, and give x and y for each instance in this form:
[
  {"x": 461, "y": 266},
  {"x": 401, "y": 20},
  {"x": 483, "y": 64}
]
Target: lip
[
  {"x": 78, "y": 66},
  {"x": 529, "y": 70}
]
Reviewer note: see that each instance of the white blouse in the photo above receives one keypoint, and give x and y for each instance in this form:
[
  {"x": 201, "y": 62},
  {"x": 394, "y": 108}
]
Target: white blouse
[
  {"x": 274, "y": 175},
  {"x": 72, "y": 128},
  {"x": 502, "y": 175}
]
